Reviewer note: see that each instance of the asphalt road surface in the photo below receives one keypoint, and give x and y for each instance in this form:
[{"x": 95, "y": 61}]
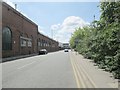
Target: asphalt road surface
[
  {"x": 55, "y": 70},
  {"x": 52, "y": 70}
]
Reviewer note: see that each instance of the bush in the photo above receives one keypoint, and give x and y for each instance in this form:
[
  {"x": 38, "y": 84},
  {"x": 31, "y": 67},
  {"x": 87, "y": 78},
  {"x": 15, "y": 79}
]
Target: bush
[{"x": 101, "y": 40}]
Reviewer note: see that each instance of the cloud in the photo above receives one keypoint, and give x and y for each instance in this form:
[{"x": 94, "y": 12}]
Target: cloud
[
  {"x": 55, "y": 27},
  {"x": 64, "y": 30}
]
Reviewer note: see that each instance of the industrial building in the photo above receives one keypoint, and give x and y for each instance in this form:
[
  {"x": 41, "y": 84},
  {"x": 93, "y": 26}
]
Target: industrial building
[{"x": 20, "y": 35}]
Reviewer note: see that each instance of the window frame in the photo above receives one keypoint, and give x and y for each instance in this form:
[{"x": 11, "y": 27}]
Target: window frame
[{"x": 6, "y": 43}]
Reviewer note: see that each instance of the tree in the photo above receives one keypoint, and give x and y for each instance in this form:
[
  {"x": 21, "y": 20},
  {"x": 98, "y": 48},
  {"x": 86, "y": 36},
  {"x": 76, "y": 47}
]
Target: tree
[{"x": 101, "y": 40}]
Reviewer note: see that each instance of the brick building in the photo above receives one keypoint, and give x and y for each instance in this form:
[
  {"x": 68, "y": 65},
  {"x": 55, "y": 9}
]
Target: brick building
[
  {"x": 46, "y": 42},
  {"x": 20, "y": 35}
]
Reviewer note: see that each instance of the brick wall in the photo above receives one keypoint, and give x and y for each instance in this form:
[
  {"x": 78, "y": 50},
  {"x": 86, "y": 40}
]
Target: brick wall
[
  {"x": 23, "y": 28},
  {"x": 19, "y": 25},
  {"x": 47, "y": 43}
]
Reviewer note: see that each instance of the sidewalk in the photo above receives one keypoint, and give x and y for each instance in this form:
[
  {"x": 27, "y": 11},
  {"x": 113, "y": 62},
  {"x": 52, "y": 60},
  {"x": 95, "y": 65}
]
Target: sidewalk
[
  {"x": 17, "y": 57},
  {"x": 88, "y": 70}
]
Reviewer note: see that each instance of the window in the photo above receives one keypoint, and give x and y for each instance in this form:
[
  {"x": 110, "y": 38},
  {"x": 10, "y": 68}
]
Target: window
[
  {"x": 6, "y": 39},
  {"x": 23, "y": 43},
  {"x": 39, "y": 42},
  {"x": 44, "y": 43},
  {"x": 29, "y": 43}
]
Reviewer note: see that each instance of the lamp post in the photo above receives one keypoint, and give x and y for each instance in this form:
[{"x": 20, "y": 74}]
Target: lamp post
[{"x": 94, "y": 17}]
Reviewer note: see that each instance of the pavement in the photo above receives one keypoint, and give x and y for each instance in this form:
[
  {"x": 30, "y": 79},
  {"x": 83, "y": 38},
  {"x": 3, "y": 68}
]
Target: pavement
[
  {"x": 90, "y": 76},
  {"x": 17, "y": 57}
]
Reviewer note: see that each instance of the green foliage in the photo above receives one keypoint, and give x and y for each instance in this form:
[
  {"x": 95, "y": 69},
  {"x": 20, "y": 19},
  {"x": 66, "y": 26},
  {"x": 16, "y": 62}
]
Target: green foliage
[{"x": 101, "y": 41}]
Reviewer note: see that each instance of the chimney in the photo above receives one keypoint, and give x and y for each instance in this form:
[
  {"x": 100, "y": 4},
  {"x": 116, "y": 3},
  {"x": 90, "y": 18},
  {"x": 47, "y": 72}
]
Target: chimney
[{"x": 16, "y": 6}]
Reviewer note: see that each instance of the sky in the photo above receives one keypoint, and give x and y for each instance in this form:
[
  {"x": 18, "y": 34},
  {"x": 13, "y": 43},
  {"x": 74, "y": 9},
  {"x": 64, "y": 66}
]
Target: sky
[{"x": 58, "y": 20}]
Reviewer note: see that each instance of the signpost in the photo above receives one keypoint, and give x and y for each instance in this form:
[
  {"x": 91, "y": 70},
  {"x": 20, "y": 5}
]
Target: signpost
[{"x": 76, "y": 43}]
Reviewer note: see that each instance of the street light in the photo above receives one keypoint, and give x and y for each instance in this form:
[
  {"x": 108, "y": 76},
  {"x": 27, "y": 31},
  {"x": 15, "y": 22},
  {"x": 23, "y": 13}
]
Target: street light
[{"x": 94, "y": 17}]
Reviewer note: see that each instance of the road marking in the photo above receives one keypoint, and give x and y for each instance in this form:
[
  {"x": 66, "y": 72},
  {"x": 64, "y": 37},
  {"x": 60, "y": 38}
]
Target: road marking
[
  {"x": 82, "y": 85},
  {"x": 75, "y": 74},
  {"x": 89, "y": 78},
  {"x": 79, "y": 79},
  {"x": 26, "y": 65},
  {"x": 80, "y": 75},
  {"x": 85, "y": 73}
]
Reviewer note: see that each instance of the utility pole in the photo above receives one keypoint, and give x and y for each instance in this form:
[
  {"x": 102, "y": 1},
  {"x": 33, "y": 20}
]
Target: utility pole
[{"x": 94, "y": 17}]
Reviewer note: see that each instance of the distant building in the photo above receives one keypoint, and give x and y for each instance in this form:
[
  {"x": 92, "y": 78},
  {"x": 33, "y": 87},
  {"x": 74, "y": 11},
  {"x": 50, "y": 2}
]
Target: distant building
[{"x": 66, "y": 45}]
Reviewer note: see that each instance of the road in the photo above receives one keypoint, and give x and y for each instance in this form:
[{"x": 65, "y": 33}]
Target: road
[
  {"x": 55, "y": 70},
  {"x": 52, "y": 70},
  {"x": 88, "y": 75}
]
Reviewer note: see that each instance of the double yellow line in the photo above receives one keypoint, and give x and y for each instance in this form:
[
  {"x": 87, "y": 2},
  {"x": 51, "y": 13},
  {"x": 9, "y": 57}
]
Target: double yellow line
[
  {"x": 78, "y": 73},
  {"x": 78, "y": 78}
]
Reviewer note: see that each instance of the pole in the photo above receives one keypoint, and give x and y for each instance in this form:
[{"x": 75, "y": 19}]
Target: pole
[{"x": 94, "y": 17}]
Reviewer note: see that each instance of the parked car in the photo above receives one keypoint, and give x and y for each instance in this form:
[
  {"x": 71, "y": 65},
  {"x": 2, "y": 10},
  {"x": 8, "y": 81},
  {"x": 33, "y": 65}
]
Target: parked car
[
  {"x": 66, "y": 50},
  {"x": 43, "y": 51}
]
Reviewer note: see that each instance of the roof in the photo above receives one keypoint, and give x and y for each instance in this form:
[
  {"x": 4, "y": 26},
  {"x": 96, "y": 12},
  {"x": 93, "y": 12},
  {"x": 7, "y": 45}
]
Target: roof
[
  {"x": 21, "y": 15},
  {"x": 47, "y": 37},
  {"x": 18, "y": 13}
]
